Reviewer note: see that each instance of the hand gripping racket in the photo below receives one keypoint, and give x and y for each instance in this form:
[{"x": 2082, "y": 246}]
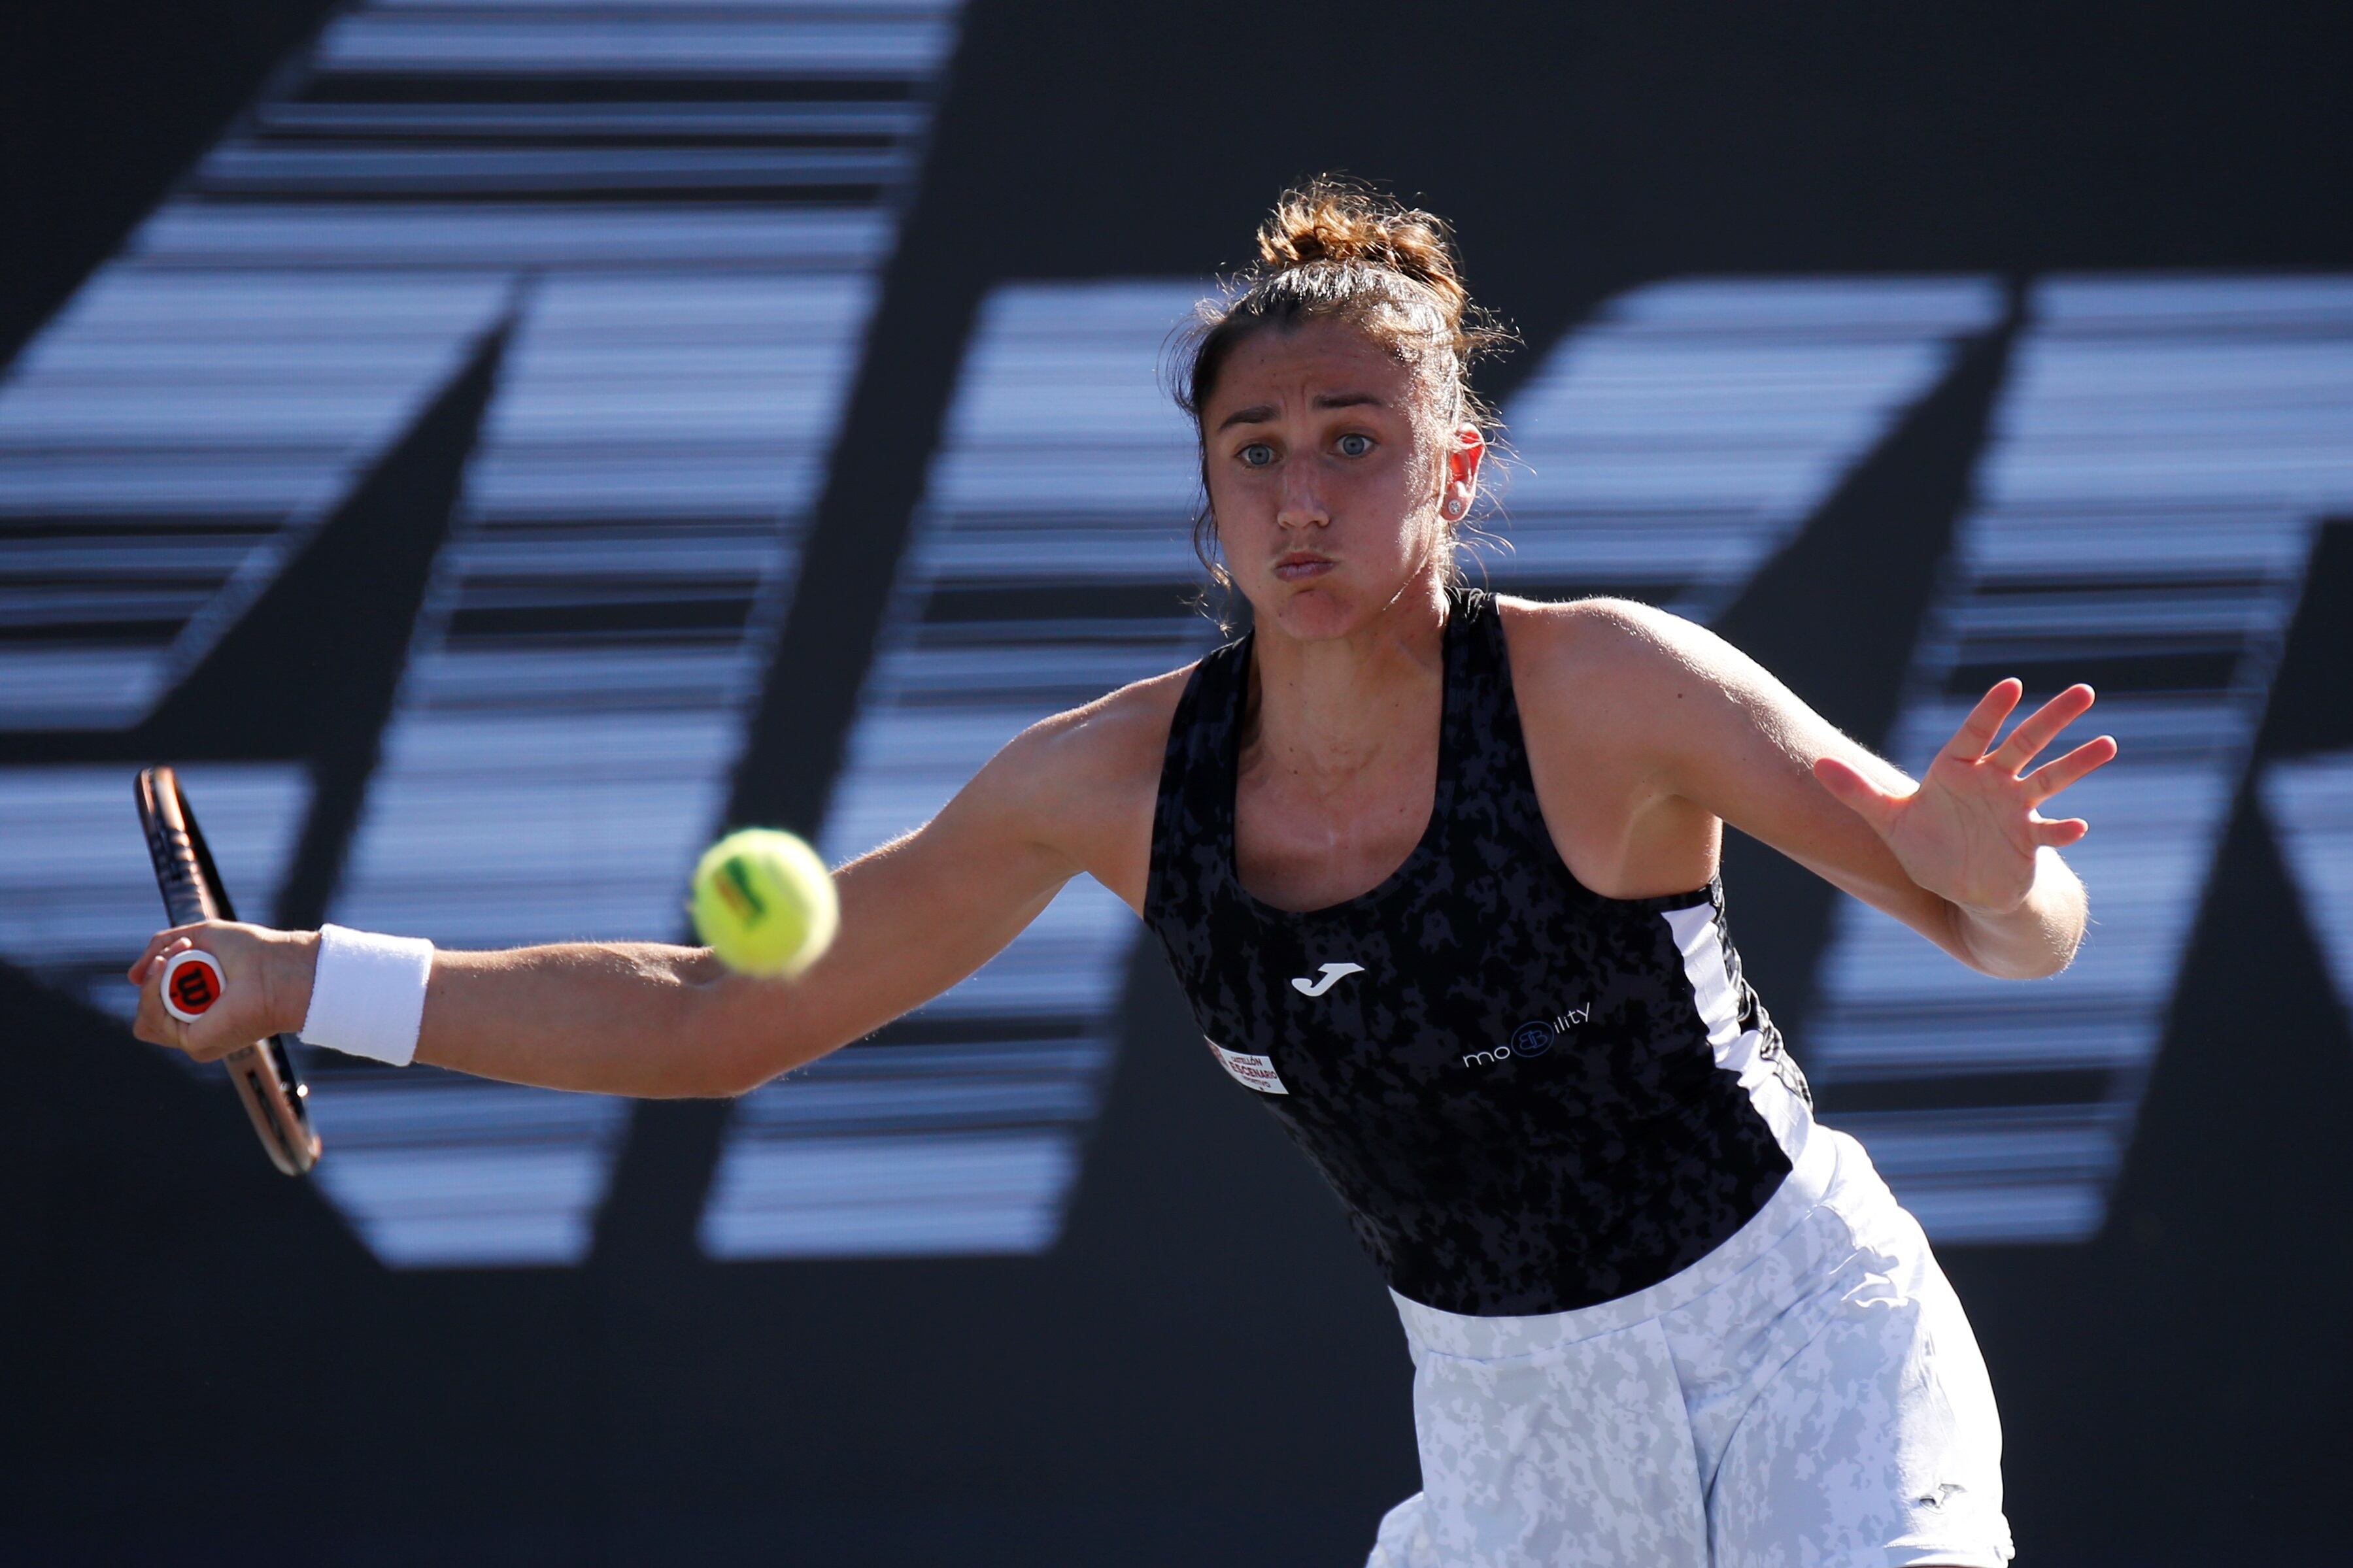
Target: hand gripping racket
[{"x": 273, "y": 1092}]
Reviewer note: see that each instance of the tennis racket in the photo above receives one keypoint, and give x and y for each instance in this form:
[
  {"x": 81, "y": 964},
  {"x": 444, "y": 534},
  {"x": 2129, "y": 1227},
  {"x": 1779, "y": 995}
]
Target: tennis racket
[{"x": 275, "y": 1094}]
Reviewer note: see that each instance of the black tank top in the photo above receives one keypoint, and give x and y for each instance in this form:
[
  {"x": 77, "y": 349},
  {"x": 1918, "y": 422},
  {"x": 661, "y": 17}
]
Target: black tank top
[{"x": 1529, "y": 1098}]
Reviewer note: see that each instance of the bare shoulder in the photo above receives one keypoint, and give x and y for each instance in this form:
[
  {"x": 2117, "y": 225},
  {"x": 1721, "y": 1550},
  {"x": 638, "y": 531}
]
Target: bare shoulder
[
  {"x": 1086, "y": 780},
  {"x": 1606, "y": 637},
  {"x": 1690, "y": 705},
  {"x": 1615, "y": 665},
  {"x": 1634, "y": 717},
  {"x": 1114, "y": 742}
]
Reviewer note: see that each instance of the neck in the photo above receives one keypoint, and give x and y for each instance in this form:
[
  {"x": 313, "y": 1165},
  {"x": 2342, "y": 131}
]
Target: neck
[{"x": 1331, "y": 707}]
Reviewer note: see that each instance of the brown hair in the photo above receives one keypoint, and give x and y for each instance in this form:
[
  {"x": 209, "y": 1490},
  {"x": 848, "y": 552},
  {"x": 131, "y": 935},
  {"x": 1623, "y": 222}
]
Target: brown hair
[{"x": 1335, "y": 250}]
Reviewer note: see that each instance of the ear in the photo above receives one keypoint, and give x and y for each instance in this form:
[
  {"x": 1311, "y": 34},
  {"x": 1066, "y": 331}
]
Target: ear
[{"x": 1466, "y": 449}]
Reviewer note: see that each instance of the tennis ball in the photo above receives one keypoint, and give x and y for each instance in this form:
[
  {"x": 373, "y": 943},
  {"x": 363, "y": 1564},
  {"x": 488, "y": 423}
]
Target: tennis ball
[{"x": 763, "y": 902}]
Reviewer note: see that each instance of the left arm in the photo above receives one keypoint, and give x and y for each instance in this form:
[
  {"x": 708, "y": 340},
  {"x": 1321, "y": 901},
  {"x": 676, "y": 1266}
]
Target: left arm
[{"x": 1962, "y": 854}]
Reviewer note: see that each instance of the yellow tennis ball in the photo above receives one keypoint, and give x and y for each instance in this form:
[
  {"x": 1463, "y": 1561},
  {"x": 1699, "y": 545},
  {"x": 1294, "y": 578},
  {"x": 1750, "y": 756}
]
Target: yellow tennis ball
[{"x": 764, "y": 903}]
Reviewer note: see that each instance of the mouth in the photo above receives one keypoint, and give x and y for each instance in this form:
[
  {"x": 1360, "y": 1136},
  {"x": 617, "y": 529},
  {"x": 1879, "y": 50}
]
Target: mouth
[{"x": 1300, "y": 566}]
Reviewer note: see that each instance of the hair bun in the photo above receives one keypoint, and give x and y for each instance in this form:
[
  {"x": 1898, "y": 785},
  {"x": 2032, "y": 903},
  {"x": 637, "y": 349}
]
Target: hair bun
[{"x": 1334, "y": 222}]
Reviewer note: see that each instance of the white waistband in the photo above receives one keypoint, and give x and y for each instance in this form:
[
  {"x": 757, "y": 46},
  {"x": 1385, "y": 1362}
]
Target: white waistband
[{"x": 1812, "y": 1170}]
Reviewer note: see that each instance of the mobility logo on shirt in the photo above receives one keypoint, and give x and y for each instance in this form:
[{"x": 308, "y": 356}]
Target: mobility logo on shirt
[{"x": 1531, "y": 1039}]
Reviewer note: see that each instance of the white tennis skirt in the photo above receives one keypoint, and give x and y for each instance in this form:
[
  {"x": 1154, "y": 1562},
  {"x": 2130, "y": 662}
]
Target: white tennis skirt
[{"x": 1810, "y": 1392}]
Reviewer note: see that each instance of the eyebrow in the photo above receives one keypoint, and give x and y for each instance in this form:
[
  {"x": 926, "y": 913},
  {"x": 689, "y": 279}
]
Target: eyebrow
[{"x": 1259, "y": 412}]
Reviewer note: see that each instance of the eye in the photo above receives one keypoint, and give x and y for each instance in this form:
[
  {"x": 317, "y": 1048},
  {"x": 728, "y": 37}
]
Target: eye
[
  {"x": 1256, "y": 455},
  {"x": 1355, "y": 444}
]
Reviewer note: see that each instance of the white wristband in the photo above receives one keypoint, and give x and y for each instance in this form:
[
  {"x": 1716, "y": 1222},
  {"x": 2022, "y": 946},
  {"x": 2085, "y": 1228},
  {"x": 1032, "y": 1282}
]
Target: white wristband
[{"x": 368, "y": 995}]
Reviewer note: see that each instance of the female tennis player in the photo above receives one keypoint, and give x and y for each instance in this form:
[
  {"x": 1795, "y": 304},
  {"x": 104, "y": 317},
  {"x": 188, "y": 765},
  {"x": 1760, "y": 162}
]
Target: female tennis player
[{"x": 1438, "y": 870}]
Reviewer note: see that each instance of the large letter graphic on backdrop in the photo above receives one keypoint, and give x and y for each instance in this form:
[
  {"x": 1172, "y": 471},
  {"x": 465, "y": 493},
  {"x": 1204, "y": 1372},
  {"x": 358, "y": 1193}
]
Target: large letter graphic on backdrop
[
  {"x": 2144, "y": 519},
  {"x": 689, "y": 204},
  {"x": 1676, "y": 445}
]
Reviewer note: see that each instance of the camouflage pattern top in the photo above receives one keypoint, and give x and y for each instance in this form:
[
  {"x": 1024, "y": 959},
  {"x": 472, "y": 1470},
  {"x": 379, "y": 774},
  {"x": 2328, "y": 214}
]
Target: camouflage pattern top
[{"x": 1529, "y": 1098}]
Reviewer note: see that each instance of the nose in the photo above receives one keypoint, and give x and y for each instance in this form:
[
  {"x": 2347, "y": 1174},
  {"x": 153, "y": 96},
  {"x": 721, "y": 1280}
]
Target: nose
[{"x": 1301, "y": 504}]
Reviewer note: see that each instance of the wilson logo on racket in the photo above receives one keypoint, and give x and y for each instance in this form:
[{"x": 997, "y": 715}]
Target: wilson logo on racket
[
  {"x": 192, "y": 983},
  {"x": 734, "y": 886},
  {"x": 191, "y": 988}
]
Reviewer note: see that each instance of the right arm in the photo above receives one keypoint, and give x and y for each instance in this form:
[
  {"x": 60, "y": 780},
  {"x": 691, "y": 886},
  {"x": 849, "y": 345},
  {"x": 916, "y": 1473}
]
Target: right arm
[{"x": 1072, "y": 793}]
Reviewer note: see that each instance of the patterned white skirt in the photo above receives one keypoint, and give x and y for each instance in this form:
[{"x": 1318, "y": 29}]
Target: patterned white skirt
[{"x": 1810, "y": 1392}]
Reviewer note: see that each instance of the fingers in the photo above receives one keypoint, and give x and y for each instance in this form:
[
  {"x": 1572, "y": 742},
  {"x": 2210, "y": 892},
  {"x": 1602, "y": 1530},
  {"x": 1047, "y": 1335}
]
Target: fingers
[
  {"x": 150, "y": 970},
  {"x": 213, "y": 1035},
  {"x": 1856, "y": 792},
  {"x": 2060, "y": 772},
  {"x": 1983, "y": 722},
  {"x": 161, "y": 946},
  {"x": 208, "y": 1039},
  {"x": 2057, "y": 835},
  {"x": 2038, "y": 729},
  {"x": 154, "y": 1024}
]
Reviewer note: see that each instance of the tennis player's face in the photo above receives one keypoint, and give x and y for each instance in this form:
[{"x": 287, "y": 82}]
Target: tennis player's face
[{"x": 1325, "y": 477}]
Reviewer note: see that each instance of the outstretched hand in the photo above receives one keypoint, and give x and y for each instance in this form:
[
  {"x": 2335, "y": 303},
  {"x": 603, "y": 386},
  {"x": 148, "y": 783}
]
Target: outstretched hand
[{"x": 1969, "y": 831}]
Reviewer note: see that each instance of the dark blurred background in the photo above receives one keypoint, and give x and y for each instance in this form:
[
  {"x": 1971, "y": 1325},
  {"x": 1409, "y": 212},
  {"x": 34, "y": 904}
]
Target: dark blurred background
[{"x": 495, "y": 446}]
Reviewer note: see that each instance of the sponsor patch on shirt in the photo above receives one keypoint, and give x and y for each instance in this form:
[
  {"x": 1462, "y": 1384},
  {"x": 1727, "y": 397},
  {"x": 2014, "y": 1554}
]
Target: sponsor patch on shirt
[{"x": 1250, "y": 1072}]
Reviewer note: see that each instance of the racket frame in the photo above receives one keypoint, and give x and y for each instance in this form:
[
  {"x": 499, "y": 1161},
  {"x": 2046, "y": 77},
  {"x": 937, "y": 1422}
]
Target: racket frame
[{"x": 275, "y": 1097}]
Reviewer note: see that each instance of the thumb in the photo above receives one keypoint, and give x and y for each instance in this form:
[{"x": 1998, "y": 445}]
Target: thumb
[{"x": 1858, "y": 792}]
